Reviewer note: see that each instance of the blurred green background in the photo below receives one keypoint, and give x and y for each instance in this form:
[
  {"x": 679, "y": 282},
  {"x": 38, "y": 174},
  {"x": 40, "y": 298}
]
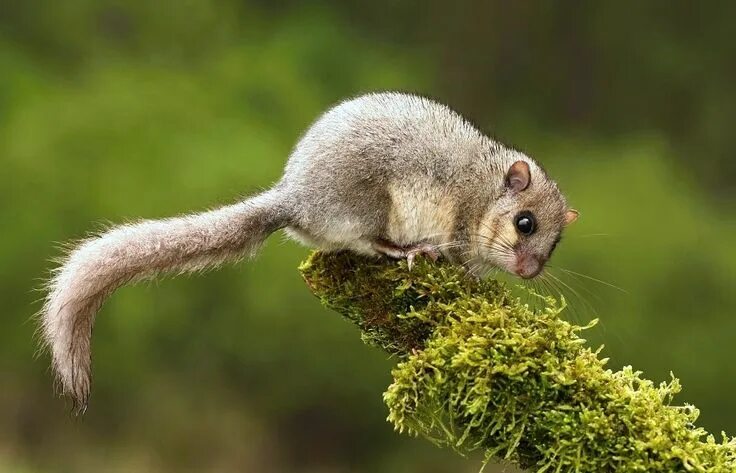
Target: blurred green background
[{"x": 111, "y": 111}]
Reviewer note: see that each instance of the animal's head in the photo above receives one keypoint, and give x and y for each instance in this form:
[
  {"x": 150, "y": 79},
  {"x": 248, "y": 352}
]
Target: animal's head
[{"x": 522, "y": 228}]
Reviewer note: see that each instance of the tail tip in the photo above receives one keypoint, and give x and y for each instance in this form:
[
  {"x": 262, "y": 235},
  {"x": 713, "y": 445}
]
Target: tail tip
[{"x": 74, "y": 384}]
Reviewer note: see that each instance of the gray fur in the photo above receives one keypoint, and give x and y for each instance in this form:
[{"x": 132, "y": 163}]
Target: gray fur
[{"x": 381, "y": 167}]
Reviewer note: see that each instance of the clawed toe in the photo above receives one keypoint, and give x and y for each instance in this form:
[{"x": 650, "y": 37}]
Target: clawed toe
[{"x": 430, "y": 251}]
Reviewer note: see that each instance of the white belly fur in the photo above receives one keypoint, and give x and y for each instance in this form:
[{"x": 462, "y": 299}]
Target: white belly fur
[{"x": 420, "y": 214}]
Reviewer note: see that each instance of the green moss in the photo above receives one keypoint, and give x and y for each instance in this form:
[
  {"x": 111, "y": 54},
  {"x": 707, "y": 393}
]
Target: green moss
[{"x": 480, "y": 370}]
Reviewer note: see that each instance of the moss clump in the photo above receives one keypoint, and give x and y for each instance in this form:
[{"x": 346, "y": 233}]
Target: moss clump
[{"x": 480, "y": 370}]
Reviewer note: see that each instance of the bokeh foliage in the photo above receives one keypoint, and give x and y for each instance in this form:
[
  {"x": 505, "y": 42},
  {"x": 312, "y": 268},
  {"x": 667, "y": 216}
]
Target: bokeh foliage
[{"x": 112, "y": 111}]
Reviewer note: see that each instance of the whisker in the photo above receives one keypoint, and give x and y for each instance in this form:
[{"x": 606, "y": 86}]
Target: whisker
[
  {"x": 578, "y": 296},
  {"x": 583, "y": 284},
  {"x": 613, "y": 286}
]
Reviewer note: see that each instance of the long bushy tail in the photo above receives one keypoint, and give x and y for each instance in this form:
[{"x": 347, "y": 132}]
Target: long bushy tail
[{"x": 128, "y": 253}]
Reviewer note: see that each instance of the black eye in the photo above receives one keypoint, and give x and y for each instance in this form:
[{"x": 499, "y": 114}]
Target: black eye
[{"x": 525, "y": 223}]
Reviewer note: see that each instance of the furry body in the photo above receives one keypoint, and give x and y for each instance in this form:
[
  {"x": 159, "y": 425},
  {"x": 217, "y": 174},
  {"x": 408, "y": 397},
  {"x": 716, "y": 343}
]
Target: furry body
[{"x": 376, "y": 172}]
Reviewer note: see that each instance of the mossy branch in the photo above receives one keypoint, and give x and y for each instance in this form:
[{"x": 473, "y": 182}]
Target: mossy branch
[{"x": 480, "y": 370}]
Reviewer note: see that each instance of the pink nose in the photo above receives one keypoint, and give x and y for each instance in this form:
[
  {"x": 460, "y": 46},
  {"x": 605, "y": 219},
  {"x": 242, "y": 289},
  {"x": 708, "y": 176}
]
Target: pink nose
[{"x": 528, "y": 266}]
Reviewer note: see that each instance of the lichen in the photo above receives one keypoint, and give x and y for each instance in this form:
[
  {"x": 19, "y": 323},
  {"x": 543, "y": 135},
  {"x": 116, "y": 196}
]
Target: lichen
[{"x": 480, "y": 370}]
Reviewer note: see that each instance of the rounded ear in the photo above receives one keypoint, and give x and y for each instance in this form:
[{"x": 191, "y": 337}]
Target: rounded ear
[
  {"x": 570, "y": 216},
  {"x": 518, "y": 177}
]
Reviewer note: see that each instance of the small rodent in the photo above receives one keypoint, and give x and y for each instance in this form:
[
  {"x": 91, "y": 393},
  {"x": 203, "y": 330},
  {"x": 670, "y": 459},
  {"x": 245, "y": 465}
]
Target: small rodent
[{"x": 384, "y": 173}]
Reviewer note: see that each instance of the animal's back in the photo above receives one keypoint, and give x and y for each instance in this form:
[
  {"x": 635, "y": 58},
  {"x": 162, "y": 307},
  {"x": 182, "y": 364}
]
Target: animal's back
[{"x": 387, "y": 133}]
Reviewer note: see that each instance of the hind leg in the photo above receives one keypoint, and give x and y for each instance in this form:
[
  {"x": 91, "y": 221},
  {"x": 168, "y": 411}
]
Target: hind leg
[{"x": 409, "y": 252}]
